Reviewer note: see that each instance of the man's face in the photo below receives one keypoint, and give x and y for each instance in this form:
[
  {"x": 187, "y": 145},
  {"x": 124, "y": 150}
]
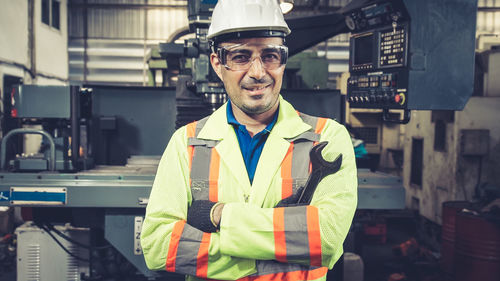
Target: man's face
[{"x": 256, "y": 90}]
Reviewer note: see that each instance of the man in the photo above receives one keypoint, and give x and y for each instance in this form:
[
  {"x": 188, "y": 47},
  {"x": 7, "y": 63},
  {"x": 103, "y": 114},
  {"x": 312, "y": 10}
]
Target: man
[{"x": 212, "y": 212}]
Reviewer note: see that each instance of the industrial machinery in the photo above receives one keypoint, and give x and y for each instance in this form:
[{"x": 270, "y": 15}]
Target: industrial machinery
[
  {"x": 101, "y": 179},
  {"x": 411, "y": 55},
  {"x": 200, "y": 92},
  {"x": 64, "y": 127},
  {"x": 40, "y": 258}
]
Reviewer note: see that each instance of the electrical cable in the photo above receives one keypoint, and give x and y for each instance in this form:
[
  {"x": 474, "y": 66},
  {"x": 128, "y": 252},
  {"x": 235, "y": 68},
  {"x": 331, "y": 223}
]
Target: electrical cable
[
  {"x": 31, "y": 73},
  {"x": 69, "y": 239},
  {"x": 62, "y": 246}
]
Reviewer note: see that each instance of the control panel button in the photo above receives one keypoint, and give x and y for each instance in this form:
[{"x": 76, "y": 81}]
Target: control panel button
[
  {"x": 386, "y": 98},
  {"x": 397, "y": 98}
]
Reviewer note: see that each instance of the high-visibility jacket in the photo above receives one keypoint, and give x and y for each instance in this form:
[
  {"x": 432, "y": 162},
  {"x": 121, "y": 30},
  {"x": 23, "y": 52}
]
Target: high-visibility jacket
[{"x": 256, "y": 241}]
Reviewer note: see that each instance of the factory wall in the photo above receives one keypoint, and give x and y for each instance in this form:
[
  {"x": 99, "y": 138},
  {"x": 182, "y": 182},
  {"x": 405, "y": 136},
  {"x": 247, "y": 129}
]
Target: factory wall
[
  {"x": 30, "y": 49},
  {"x": 13, "y": 25},
  {"x": 453, "y": 173},
  {"x": 51, "y": 45},
  {"x": 109, "y": 41},
  {"x": 33, "y": 51}
]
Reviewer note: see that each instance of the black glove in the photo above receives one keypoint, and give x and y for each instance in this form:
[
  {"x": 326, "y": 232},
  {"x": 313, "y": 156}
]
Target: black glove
[
  {"x": 199, "y": 215},
  {"x": 291, "y": 201}
]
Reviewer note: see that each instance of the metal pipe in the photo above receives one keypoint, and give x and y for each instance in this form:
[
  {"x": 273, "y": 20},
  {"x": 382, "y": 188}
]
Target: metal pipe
[
  {"x": 31, "y": 37},
  {"x": 23, "y": 131},
  {"x": 85, "y": 41},
  {"x": 126, "y": 6},
  {"x": 75, "y": 126}
]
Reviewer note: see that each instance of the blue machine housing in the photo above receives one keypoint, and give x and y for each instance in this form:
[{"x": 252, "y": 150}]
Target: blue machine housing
[{"x": 412, "y": 55}]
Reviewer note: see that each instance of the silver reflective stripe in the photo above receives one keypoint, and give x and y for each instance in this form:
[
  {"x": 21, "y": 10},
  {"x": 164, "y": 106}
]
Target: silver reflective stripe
[
  {"x": 199, "y": 125},
  {"x": 309, "y": 120},
  {"x": 300, "y": 164},
  {"x": 302, "y": 145},
  {"x": 187, "y": 251},
  {"x": 200, "y": 189},
  {"x": 272, "y": 267},
  {"x": 307, "y": 136},
  {"x": 296, "y": 235},
  {"x": 202, "y": 142},
  {"x": 300, "y": 160},
  {"x": 200, "y": 167}
]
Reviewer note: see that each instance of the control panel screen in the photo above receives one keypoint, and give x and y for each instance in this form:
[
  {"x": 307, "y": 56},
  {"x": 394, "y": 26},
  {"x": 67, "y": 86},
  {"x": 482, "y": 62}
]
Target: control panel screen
[{"x": 363, "y": 49}]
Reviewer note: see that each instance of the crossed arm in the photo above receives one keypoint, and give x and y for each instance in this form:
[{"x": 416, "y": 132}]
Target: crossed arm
[{"x": 308, "y": 235}]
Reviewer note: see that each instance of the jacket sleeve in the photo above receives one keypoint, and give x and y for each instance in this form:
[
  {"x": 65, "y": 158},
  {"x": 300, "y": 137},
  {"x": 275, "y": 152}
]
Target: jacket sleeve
[
  {"x": 168, "y": 242},
  {"x": 311, "y": 235}
]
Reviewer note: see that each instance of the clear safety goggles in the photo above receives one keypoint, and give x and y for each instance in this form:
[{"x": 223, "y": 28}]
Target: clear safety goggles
[{"x": 240, "y": 57}]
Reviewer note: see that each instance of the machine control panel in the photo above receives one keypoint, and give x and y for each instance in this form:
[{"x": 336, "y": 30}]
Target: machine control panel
[
  {"x": 378, "y": 56},
  {"x": 378, "y": 88},
  {"x": 403, "y": 55}
]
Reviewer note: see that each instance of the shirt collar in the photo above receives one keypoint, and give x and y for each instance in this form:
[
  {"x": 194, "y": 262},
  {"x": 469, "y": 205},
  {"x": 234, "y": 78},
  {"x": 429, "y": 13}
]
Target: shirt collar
[{"x": 232, "y": 120}]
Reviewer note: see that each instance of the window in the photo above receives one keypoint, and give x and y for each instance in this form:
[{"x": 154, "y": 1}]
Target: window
[
  {"x": 51, "y": 13},
  {"x": 440, "y": 118},
  {"x": 417, "y": 156},
  {"x": 46, "y": 11},
  {"x": 440, "y": 135}
]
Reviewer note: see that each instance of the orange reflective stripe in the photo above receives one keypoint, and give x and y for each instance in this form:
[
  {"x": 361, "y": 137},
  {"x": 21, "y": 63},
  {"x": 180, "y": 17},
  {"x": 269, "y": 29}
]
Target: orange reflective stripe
[
  {"x": 294, "y": 275},
  {"x": 279, "y": 234},
  {"x": 320, "y": 125},
  {"x": 289, "y": 276},
  {"x": 286, "y": 174},
  {"x": 190, "y": 131},
  {"x": 213, "y": 177},
  {"x": 174, "y": 244},
  {"x": 202, "y": 260},
  {"x": 314, "y": 235}
]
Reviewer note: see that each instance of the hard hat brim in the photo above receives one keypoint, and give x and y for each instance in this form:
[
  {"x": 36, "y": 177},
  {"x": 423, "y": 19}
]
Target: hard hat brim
[{"x": 236, "y": 33}]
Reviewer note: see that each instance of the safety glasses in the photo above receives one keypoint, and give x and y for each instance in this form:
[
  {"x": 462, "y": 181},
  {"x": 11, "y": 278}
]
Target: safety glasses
[{"x": 240, "y": 57}]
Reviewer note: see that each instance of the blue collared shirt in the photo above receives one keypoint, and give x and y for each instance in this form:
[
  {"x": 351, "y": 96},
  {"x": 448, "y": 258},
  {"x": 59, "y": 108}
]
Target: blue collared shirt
[{"x": 251, "y": 147}]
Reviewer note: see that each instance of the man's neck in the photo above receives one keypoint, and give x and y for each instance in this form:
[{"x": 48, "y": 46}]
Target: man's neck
[{"x": 254, "y": 123}]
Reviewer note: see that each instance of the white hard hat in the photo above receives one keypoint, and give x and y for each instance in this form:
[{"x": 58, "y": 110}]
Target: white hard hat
[{"x": 247, "y": 18}]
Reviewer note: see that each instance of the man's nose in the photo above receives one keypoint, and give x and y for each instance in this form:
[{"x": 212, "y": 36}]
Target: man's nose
[{"x": 257, "y": 70}]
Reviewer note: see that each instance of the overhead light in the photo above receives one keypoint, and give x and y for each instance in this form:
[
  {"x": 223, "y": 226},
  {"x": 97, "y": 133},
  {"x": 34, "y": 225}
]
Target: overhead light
[{"x": 286, "y": 6}]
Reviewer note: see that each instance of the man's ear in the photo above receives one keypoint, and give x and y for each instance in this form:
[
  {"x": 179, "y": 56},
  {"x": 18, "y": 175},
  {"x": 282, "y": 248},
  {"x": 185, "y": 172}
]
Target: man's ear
[{"x": 216, "y": 65}]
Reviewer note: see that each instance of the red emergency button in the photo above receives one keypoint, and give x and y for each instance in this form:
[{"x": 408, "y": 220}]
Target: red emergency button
[
  {"x": 397, "y": 98},
  {"x": 400, "y": 99}
]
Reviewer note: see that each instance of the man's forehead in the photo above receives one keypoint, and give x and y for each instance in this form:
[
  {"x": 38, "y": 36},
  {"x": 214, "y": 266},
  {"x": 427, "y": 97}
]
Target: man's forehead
[{"x": 257, "y": 40}]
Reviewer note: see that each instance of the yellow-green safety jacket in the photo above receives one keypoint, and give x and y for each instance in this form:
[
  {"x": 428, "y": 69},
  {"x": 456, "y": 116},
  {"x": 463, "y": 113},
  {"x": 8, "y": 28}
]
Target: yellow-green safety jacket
[{"x": 256, "y": 241}]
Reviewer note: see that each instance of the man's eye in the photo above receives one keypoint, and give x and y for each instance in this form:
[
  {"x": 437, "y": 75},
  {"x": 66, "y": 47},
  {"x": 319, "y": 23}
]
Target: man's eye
[
  {"x": 240, "y": 58},
  {"x": 271, "y": 57}
]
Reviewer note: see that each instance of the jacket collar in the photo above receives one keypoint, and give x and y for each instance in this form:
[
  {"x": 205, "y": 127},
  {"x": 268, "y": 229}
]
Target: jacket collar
[{"x": 288, "y": 126}]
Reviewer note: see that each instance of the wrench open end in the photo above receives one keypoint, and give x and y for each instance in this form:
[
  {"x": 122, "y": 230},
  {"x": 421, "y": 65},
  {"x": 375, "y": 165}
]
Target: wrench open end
[{"x": 318, "y": 161}]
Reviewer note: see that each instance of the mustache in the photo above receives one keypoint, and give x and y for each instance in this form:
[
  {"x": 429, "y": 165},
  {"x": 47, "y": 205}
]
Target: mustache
[{"x": 251, "y": 82}]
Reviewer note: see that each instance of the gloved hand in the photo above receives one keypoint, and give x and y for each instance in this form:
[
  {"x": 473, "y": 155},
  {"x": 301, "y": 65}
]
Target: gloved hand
[
  {"x": 291, "y": 200},
  {"x": 199, "y": 215}
]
